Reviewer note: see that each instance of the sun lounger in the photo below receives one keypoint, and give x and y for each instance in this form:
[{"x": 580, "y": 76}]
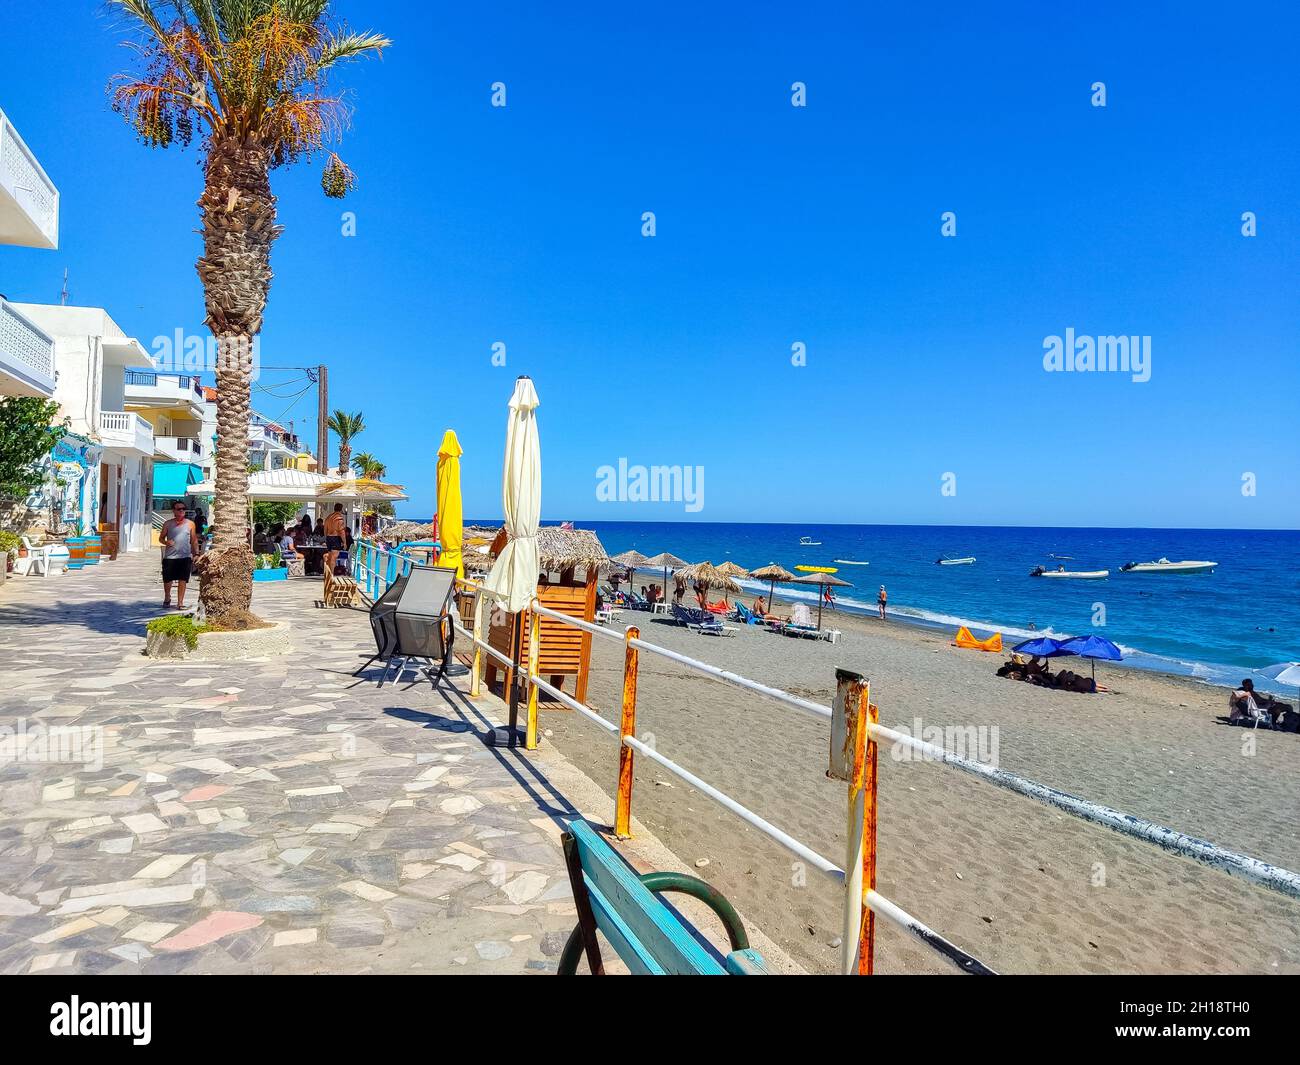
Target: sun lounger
[
  {"x": 809, "y": 632},
  {"x": 701, "y": 621}
]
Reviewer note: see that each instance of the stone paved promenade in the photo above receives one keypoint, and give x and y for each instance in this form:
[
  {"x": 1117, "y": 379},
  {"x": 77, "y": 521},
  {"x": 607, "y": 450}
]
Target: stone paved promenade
[{"x": 267, "y": 816}]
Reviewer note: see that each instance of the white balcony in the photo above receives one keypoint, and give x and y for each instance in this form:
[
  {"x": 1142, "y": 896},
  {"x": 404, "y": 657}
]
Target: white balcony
[
  {"x": 26, "y": 356},
  {"x": 126, "y": 432},
  {"x": 177, "y": 448},
  {"x": 178, "y": 393},
  {"x": 29, "y": 202}
]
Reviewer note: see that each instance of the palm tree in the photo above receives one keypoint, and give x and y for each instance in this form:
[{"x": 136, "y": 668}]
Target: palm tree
[
  {"x": 345, "y": 427},
  {"x": 249, "y": 76},
  {"x": 367, "y": 465}
]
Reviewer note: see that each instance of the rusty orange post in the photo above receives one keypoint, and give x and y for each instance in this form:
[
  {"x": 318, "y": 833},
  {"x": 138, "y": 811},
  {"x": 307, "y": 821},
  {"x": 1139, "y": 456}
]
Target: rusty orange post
[
  {"x": 534, "y": 642},
  {"x": 851, "y": 754},
  {"x": 626, "y": 727},
  {"x": 867, "y": 941},
  {"x": 476, "y": 666}
]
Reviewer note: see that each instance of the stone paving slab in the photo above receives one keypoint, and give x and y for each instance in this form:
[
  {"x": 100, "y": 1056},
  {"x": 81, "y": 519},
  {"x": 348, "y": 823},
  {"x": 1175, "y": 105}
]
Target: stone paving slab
[{"x": 267, "y": 816}]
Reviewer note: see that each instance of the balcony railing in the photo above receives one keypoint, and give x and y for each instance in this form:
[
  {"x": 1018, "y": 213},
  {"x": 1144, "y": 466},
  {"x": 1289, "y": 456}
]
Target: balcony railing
[
  {"x": 126, "y": 430},
  {"x": 145, "y": 379},
  {"x": 27, "y": 351},
  {"x": 29, "y": 202},
  {"x": 184, "y": 446}
]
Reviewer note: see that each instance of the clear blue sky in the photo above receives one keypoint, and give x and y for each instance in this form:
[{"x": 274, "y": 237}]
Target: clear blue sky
[{"x": 775, "y": 224}]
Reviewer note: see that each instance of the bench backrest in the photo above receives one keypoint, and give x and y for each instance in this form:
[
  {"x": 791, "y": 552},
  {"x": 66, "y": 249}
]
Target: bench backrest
[{"x": 645, "y": 933}]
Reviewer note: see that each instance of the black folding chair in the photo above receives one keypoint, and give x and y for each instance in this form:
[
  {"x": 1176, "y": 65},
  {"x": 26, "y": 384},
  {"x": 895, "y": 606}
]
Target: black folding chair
[
  {"x": 383, "y": 624},
  {"x": 422, "y": 622}
]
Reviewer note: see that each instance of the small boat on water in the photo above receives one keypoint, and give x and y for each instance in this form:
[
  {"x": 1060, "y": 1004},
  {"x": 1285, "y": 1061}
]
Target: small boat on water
[
  {"x": 851, "y": 562},
  {"x": 808, "y": 541},
  {"x": 1070, "y": 574},
  {"x": 945, "y": 561},
  {"x": 1163, "y": 565}
]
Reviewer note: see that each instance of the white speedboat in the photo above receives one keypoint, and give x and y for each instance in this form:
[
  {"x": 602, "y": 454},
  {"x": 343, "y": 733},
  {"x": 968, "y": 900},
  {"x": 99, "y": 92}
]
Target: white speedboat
[
  {"x": 955, "y": 561},
  {"x": 1163, "y": 565},
  {"x": 1071, "y": 574},
  {"x": 851, "y": 562},
  {"x": 808, "y": 541}
]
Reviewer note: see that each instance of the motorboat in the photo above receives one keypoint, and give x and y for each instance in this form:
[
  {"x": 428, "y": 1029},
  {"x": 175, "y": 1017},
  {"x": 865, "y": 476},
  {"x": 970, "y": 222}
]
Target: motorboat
[
  {"x": 1070, "y": 574},
  {"x": 1163, "y": 565},
  {"x": 851, "y": 562},
  {"x": 954, "y": 561},
  {"x": 808, "y": 541}
]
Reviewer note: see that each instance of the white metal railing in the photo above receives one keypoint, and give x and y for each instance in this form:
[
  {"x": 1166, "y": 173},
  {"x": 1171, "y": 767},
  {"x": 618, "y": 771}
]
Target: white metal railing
[
  {"x": 23, "y": 177},
  {"x": 383, "y": 566},
  {"x": 855, "y": 897},
  {"x": 25, "y": 342}
]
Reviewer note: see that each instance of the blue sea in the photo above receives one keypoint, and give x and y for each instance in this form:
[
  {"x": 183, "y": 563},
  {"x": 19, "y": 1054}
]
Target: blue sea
[{"x": 1218, "y": 626}]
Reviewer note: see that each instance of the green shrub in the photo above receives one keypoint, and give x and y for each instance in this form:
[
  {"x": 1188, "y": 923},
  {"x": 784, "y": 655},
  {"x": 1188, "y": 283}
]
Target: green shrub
[
  {"x": 10, "y": 543},
  {"x": 267, "y": 562},
  {"x": 178, "y": 625}
]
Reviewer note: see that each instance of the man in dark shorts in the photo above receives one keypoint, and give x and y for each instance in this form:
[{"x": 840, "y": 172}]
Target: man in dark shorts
[
  {"x": 335, "y": 526},
  {"x": 180, "y": 543}
]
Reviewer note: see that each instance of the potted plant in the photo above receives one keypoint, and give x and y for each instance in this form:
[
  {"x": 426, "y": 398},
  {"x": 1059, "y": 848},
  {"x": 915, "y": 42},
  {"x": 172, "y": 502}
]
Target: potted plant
[
  {"x": 269, "y": 568},
  {"x": 11, "y": 546}
]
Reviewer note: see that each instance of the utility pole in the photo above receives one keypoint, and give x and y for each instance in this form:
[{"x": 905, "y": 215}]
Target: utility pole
[{"x": 322, "y": 419}]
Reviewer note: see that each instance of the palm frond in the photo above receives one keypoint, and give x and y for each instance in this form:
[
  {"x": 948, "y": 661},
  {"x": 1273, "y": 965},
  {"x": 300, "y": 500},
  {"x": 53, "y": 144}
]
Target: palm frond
[{"x": 336, "y": 47}]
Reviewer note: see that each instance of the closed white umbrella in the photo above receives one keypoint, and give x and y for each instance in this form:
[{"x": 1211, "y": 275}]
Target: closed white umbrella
[{"x": 513, "y": 579}]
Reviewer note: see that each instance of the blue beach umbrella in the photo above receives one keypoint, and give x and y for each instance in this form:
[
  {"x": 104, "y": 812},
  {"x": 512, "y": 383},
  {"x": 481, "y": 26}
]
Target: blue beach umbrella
[
  {"x": 1042, "y": 647},
  {"x": 1093, "y": 648}
]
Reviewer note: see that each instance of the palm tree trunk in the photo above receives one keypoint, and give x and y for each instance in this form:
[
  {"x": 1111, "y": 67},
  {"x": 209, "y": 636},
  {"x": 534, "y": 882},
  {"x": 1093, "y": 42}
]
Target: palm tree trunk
[
  {"x": 345, "y": 459},
  {"x": 238, "y": 226}
]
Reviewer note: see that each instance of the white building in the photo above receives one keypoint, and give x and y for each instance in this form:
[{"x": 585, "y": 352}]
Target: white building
[
  {"x": 29, "y": 218},
  {"x": 91, "y": 354},
  {"x": 270, "y": 446}
]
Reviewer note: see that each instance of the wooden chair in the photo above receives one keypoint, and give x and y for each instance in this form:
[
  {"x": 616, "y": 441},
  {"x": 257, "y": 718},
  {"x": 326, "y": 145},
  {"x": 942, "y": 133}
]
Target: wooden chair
[
  {"x": 341, "y": 591},
  {"x": 650, "y": 938}
]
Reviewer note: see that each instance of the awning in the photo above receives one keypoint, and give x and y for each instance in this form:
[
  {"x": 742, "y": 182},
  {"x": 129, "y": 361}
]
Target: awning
[
  {"x": 172, "y": 480},
  {"x": 299, "y": 486}
]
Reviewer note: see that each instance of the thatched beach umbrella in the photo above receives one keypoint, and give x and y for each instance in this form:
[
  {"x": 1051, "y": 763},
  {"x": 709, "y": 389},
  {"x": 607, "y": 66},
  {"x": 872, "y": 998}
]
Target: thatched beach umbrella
[
  {"x": 668, "y": 562},
  {"x": 630, "y": 560},
  {"x": 732, "y": 570},
  {"x": 707, "y": 575},
  {"x": 824, "y": 580},
  {"x": 772, "y": 572}
]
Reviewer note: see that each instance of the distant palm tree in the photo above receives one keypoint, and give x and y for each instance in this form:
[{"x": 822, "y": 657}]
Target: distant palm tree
[
  {"x": 249, "y": 76},
  {"x": 345, "y": 427},
  {"x": 367, "y": 465}
]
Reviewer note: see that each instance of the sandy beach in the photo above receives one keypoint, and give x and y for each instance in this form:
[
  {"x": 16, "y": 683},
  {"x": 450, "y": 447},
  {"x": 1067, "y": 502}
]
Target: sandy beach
[{"x": 1019, "y": 884}]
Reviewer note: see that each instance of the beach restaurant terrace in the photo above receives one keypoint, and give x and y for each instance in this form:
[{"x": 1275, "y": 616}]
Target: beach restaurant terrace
[{"x": 289, "y": 485}]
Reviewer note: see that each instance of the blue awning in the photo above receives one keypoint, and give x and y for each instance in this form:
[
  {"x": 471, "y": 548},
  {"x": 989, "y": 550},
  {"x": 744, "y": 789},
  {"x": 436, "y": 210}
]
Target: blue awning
[{"x": 172, "y": 480}]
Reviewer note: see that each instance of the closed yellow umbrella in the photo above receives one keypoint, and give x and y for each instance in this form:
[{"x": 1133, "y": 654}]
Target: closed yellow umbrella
[{"x": 451, "y": 523}]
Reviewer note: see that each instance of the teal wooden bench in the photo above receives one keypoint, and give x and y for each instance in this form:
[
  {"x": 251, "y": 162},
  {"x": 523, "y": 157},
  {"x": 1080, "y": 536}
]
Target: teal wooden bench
[{"x": 651, "y": 939}]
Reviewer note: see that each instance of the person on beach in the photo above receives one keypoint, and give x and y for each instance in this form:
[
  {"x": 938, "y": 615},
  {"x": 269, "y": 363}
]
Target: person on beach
[
  {"x": 335, "y": 528},
  {"x": 1247, "y": 705},
  {"x": 881, "y": 600},
  {"x": 180, "y": 543}
]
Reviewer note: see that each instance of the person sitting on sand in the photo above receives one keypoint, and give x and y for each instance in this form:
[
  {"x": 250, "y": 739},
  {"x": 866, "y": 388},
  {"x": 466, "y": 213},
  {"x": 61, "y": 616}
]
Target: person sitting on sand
[
  {"x": 759, "y": 608},
  {"x": 1246, "y": 705}
]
